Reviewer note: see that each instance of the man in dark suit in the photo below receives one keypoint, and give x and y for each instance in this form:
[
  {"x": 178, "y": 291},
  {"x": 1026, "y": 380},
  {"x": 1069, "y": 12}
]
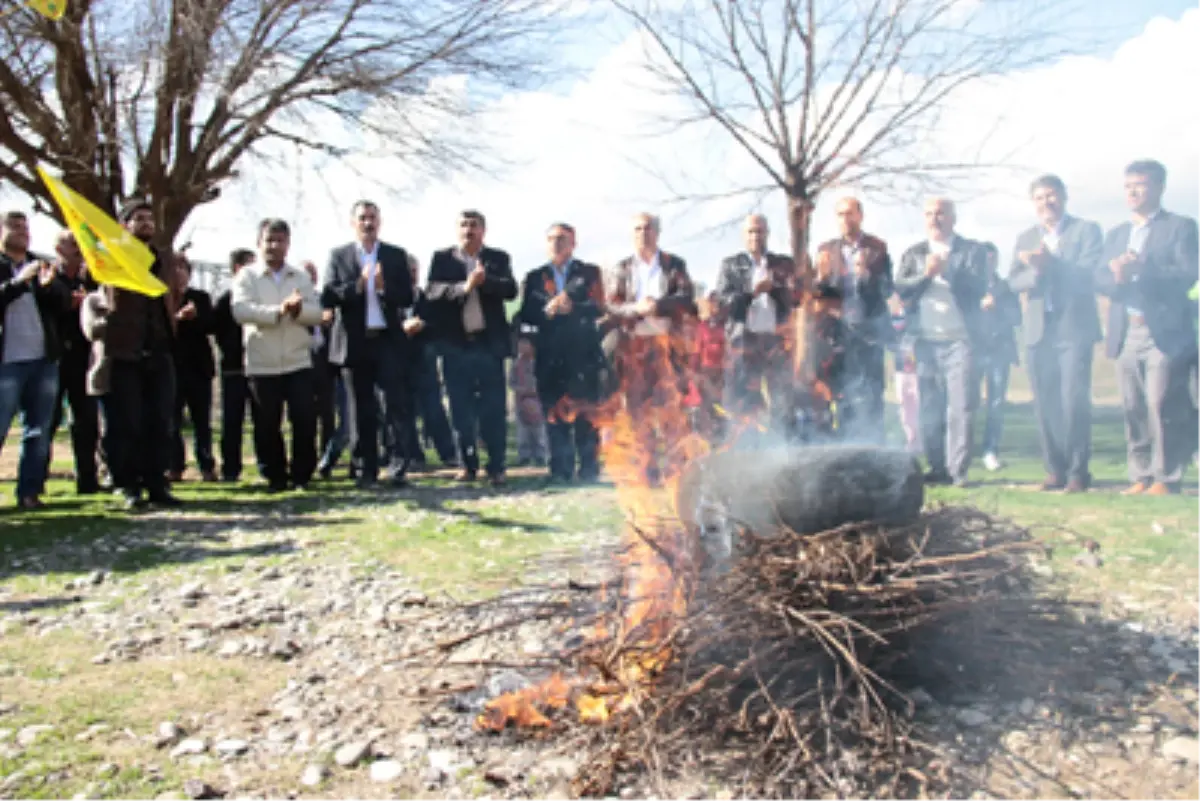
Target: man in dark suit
[
  {"x": 194, "y": 372},
  {"x": 562, "y": 300},
  {"x": 943, "y": 280},
  {"x": 856, "y": 270},
  {"x": 1150, "y": 264},
  {"x": 648, "y": 296},
  {"x": 467, "y": 287},
  {"x": 755, "y": 288},
  {"x": 368, "y": 284},
  {"x": 1055, "y": 265}
]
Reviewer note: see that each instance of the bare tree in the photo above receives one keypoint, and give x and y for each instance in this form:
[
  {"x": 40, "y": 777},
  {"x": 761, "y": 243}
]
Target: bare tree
[
  {"x": 836, "y": 93},
  {"x": 165, "y": 98}
]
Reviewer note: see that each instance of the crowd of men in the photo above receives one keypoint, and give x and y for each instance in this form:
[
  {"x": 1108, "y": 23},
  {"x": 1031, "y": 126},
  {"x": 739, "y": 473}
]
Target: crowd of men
[{"x": 367, "y": 352}]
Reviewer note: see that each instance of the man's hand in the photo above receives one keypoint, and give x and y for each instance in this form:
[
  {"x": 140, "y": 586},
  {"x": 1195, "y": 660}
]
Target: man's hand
[
  {"x": 1124, "y": 266},
  {"x": 379, "y": 285},
  {"x": 987, "y": 303},
  {"x": 187, "y": 311},
  {"x": 862, "y": 266},
  {"x": 475, "y": 279},
  {"x": 1037, "y": 259},
  {"x": 291, "y": 305},
  {"x": 77, "y": 298},
  {"x": 413, "y": 326},
  {"x": 327, "y": 317},
  {"x": 29, "y": 272},
  {"x": 559, "y": 304},
  {"x": 646, "y": 308},
  {"x": 934, "y": 264},
  {"x": 46, "y": 273},
  {"x": 895, "y": 305}
]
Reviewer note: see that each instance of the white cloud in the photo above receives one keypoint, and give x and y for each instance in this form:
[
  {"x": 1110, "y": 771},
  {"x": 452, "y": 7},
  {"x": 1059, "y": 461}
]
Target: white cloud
[{"x": 578, "y": 155}]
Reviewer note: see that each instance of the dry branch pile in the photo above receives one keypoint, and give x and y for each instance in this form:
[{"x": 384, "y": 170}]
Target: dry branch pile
[{"x": 785, "y": 674}]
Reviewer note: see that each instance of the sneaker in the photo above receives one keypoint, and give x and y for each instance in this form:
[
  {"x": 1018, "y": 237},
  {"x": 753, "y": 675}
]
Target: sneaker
[{"x": 991, "y": 462}]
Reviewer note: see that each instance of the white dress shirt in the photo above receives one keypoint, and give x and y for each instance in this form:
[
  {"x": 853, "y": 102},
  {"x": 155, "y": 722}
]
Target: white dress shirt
[
  {"x": 760, "y": 316},
  {"x": 647, "y": 284},
  {"x": 370, "y": 262},
  {"x": 1138, "y": 234}
]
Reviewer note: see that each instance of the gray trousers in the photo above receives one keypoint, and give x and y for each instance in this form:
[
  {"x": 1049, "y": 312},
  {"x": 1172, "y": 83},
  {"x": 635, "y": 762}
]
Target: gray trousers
[
  {"x": 1160, "y": 429},
  {"x": 1060, "y": 373},
  {"x": 948, "y": 395}
]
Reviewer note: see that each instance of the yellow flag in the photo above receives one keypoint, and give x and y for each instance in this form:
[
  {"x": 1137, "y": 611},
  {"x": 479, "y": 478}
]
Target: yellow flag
[
  {"x": 113, "y": 255},
  {"x": 50, "y": 9}
]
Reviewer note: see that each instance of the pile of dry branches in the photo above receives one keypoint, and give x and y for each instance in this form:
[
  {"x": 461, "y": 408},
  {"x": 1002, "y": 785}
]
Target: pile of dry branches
[{"x": 787, "y": 671}]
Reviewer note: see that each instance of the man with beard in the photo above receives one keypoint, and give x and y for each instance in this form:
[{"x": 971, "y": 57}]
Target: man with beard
[
  {"x": 562, "y": 300},
  {"x": 73, "y": 369},
  {"x": 1055, "y": 267},
  {"x": 1150, "y": 265},
  {"x": 31, "y": 301},
  {"x": 137, "y": 339},
  {"x": 756, "y": 292},
  {"x": 368, "y": 284},
  {"x": 277, "y": 306},
  {"x": 858, "y": 272},
  {"x": 467, "y": 288}
]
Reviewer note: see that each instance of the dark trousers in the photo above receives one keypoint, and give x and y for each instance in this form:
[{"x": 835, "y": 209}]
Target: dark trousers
[
  {"x": 139, "y": 409},
  {"x": 859, "y": 390},
  {"x": 382, "y": 367},
  {"x": 270, "y": 393},
  {"x": 235, "y": 397},
  {"x": 1061, "y": 377},
  {"x": 427, "y": 397},
  {"x": 478, "y": 403},
  {"x": 574, "y": 443},
  {"x": 993, "y": 373},
  {"x": 325, "y": 400},
  {"x": 85, "y": 421},
  {"x": 193, "y": 391},
  {"x": 945, "y": 378}
]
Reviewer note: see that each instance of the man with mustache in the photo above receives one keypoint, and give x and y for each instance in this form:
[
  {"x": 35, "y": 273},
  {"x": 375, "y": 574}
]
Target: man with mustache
[
  {"x": 368, "y": 285},
  {"x": 1150, "y": 265},
  {"x": 466, "y": 288},
  {"x": 1055, "y": 266}
]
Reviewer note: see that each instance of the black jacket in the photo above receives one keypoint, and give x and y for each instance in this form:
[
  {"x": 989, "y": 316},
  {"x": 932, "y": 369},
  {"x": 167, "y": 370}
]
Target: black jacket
[
  {"x": 192, "y": 348},
  {"x": 76, "y": 348},
  {"x": 567, "y": 345},
  {"x": 343, "y": 293},
  {"x": 445, "y": 298},
  {"x": 52, "y": 299},
  {"x": 228, "y": 335}
]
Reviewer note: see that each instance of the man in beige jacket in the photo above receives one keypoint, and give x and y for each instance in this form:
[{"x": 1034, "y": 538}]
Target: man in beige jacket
[{"x": 276, "y": 303}]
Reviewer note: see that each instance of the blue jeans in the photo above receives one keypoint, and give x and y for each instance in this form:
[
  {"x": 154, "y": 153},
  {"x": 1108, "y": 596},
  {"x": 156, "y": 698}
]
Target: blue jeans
[
  {"x": 32, "y": 389},
  {"x": 995, "y": 386}
]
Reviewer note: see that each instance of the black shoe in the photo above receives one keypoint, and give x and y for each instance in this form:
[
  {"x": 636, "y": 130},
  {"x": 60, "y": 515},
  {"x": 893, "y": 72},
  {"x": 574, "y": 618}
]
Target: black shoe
[
  {"x": 302, "y": 487},
  {"x": 87, "y": 489},
  {"x": 937, "y": 477},
  {"x": 398, "y": 481},
  {"x": 276, "y": 487},
  {"x": 165, "y": 499},
  {"x": 365, "y": 483}
]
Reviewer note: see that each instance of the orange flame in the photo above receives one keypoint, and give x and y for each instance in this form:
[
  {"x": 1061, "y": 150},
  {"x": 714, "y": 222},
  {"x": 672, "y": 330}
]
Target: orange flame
[{"x": 521, "y": 708}]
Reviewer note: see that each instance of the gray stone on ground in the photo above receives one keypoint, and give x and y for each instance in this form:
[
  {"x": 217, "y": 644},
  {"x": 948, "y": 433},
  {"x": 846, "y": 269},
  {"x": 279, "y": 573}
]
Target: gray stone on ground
[
  {"x": 313, "y": 775},
  {"x": 350, "y": 754},
  {"x": 386, "y": 770}
]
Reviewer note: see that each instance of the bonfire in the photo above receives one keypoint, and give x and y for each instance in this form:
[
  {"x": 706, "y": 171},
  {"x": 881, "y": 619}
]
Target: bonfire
[{"x": 763, "y": 613}]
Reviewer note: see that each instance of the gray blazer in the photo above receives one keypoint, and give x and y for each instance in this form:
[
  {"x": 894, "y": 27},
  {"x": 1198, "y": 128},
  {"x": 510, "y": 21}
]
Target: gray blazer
[
  {"x": 1067, "y": 282},
  {"x": 1170, "y": 266}
]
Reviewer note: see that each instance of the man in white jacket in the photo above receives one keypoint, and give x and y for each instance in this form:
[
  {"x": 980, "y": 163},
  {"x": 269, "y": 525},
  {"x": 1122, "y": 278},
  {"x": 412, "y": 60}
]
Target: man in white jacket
[{"x": 276, "y": 304}]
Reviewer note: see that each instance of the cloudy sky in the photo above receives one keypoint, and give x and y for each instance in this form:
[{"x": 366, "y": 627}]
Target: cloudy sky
[{"x": 579, "y": 151}]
